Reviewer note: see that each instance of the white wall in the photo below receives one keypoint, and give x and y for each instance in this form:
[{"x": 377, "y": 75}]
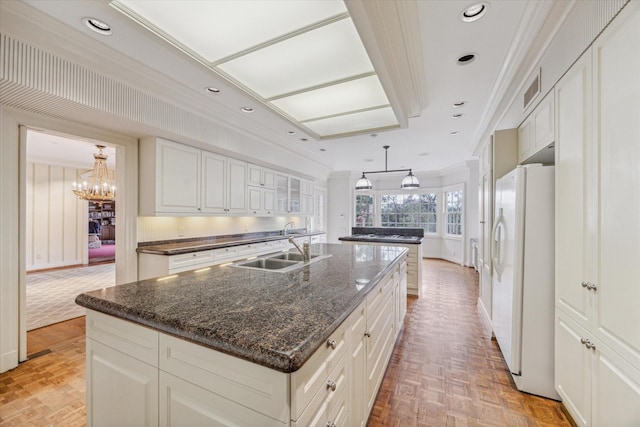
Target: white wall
[{"x": 56, "y": 219}]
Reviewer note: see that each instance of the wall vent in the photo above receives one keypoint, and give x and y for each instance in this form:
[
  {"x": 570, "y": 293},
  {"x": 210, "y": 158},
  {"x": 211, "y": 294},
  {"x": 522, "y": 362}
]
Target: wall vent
[{"x": 532, "y": 92}]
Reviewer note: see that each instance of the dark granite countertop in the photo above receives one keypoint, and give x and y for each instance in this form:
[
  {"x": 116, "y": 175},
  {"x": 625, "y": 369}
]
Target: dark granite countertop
[
  {"x": 183, "y": 246},
  {"x": 393, "y": 235},
  {"x": 274, "y": 319}
]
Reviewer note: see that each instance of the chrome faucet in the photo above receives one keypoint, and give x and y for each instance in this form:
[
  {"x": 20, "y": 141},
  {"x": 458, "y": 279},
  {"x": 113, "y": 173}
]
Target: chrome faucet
[
  {"x": 284, "y": 230},
  {"x": 304, "y": 251}
]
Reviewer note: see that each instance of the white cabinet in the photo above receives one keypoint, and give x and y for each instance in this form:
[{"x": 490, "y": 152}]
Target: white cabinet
[
  {"x": 261, "y": 192},
  {"x": 357, "y": 323},
  {"x": 176, "y": 179},
  {"x": 139, "y": 376},
  {"x": 258, "y": 176},
  {"x": 306, "y": 197},
  {"x": 598, "y": 227},
  {"x": 288, "y": 193},
  {"x": 122, "y": 373},
  {"x": 596, "y": 385},
  {"x": 537, "y": 131},
  {"x": 224, "y": 185},
  {"x": 169, "y": 178}
]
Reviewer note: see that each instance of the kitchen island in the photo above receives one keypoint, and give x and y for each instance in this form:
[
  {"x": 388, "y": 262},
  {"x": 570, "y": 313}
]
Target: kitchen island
[
  {"x": 246, "y": 346},
  {"x": 408, "y": 237}
]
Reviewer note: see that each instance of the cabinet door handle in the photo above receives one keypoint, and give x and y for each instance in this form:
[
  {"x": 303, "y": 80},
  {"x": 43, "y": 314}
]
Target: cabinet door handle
[
  {"x": 590, "y": 345},
  {"x": 367, "y": 334},
  {"x": 332, "y": 344},
  {"x": 331, "y": 424},
  {"x": 592, "y": 287},
  {"x": 331, "y": 385},
  {"x": 585, "y": 284}
]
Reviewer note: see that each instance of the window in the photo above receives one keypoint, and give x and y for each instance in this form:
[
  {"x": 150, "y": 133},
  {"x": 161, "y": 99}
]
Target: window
[
  {"x": 453, "y": 213},
  {"x": 409, "y": 210},
  {"x": 364, "y": 210}
]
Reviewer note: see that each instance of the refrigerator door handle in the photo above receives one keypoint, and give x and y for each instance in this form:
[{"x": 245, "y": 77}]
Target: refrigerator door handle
[{"x": 496, "y": 237}]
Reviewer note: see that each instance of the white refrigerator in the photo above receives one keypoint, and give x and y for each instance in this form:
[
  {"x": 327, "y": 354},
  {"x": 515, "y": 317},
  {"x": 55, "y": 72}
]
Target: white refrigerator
[{"x": 523, "y": 276}]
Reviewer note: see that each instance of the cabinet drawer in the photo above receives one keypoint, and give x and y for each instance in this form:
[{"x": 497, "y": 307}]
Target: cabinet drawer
[
  {"x": 327, "y": 402},
  {"x": 225, "y": 254},
  {"x": 377, "y": 295},
  {"x": 248, "y": 384},
  {"x": 312, "y": 376},
  {"x": 190, "y": 261},
  {"x": 129, "y": 338}
]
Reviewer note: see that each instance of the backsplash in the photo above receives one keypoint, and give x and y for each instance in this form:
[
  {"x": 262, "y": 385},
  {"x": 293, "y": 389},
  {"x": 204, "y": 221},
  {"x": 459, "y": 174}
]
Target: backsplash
[{"x": 168, "y": 228}]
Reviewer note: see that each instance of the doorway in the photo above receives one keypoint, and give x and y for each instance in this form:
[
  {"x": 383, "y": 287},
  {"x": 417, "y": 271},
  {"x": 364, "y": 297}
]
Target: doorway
[
  {"x": 57, "y": 236},
  {"x": 102, "y": 232}
]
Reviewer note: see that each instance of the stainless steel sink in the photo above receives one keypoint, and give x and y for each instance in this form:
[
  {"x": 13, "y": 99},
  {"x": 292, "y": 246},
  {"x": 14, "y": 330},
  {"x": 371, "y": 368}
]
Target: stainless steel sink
[
  {"x": 292, "y": 256},
  {"x": 281, "y": 263},
  {"x": 267, "y": 263}
]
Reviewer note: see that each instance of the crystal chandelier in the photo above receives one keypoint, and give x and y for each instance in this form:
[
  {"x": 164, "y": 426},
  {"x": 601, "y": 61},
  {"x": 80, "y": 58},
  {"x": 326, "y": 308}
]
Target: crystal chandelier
[{"x": 100, "y": 187}]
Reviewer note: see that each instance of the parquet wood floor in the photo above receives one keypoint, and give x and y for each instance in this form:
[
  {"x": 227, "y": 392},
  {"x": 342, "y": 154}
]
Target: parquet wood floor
[{"x": 445, "y": 369}]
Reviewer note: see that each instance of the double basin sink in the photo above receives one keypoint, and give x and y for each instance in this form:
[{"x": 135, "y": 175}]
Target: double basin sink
[{"x": 281, "y": 262}]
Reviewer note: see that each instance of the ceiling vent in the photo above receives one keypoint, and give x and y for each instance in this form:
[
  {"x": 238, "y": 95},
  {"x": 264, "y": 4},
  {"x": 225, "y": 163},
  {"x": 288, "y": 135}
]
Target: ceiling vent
[{"x": 532, "y": 90}]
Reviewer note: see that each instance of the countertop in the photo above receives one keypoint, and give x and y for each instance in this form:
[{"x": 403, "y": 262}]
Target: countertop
[
  {"x": 182, "y": 246},
  {"x": 274, "y": 319},
  {"x": 393, "y": 235}
]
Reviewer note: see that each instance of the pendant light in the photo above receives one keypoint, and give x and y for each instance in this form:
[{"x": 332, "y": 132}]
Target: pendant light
[{"x": 409, "y": 182}]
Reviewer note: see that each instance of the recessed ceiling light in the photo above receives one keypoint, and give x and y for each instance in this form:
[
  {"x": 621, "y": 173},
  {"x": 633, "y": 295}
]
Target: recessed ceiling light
[
  {"x": 98, "y": 26},
  {"x": 291, "y": 132},
  {"x": 246, "y": 110},
  {"x": 457, "y": 116},
  {"x": 459, "y": 104},
  {"x": 474, "y": 12},
  {"x": 323, "y": 149},
  {"x": 368, "y": 160},
  {"x": 423, "y": 154},
  {"x": 455, "y": 132},
  {"x": 303, "y": 139},
  {"x": 213, "y": 90},
  {"x": 373, "y": 135},
  {"x": 467, "y": 58}
]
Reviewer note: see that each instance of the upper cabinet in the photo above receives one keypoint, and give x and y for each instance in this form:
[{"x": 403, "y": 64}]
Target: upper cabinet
[
  {"x": 293, "y": 195},
  {"x": 259, "y": 176},
  {"x": 537, "y": 132},
  {"x": 169, "y": 177},
  {"x": 176, "y": 179},
  {"x": 261, "y": 192}
]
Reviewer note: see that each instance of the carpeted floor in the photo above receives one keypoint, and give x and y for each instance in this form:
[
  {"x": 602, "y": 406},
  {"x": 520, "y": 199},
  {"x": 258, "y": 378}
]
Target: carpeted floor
[
  {"x": 106, "y": 252},
  {"x": 51, "y": 295}
]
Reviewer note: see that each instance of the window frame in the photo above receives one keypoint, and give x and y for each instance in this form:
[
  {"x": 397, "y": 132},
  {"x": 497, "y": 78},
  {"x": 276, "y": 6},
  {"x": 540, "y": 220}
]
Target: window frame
[
  {"x": 377, "y": 206},
  {"x": 445, "y": 212}
]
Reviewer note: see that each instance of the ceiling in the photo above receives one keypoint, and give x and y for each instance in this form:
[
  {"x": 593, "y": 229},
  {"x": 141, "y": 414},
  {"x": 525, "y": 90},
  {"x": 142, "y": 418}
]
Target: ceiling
[{"x": 424, "y": 144}]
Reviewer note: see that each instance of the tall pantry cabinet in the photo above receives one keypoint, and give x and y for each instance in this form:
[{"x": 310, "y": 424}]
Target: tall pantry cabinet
[{"x": 598, "y": 229}]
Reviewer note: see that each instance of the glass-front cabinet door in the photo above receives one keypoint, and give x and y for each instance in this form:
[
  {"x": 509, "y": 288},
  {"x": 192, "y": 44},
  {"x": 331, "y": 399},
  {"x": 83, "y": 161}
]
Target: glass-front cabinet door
[
  {"x": 282, "y": 193},
  {"x": 294, "y": 195}
]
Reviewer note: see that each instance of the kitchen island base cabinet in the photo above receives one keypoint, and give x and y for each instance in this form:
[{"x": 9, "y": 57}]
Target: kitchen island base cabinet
[{"x": 144, "y": 377}]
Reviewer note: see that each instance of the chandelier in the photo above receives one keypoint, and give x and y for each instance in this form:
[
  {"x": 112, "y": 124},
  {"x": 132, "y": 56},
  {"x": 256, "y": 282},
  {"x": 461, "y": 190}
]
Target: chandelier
[
  {"x": 100, "y": 187},
  {"x": 410, "y": 181}
]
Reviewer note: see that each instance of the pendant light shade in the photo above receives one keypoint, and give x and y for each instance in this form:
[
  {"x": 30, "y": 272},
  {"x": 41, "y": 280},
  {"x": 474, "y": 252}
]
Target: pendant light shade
[
  {"x": 410, "y": 181},
  {"x": 363, "y": 183}
]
